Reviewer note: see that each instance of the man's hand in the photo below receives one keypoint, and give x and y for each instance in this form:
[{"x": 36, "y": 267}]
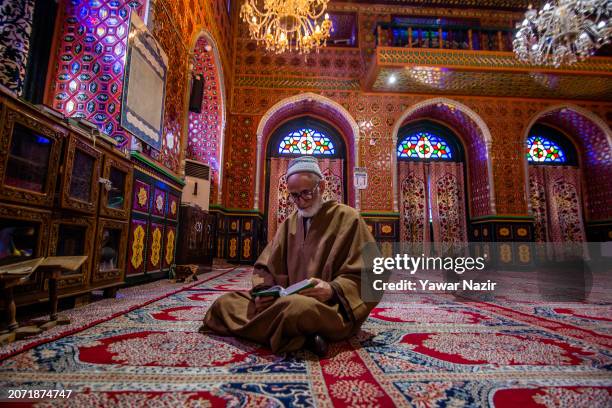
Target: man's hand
[
  {"x": 263, "y": 302},
  {"x": 322, "y": 290}
]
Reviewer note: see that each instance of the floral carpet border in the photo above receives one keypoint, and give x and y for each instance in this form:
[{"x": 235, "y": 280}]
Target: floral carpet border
[{"x": 24, "y": 345}]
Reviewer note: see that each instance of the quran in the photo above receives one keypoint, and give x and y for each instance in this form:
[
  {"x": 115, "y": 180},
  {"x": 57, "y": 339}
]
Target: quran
[{"x": 279, "y": 291}]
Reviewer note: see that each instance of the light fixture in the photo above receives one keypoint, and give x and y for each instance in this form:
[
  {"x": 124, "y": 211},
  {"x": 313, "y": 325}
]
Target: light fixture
[
  {"x": 284, "y": 25},
  {"x": 392, "y": 79},
  {"x": 563, "y": 32}
]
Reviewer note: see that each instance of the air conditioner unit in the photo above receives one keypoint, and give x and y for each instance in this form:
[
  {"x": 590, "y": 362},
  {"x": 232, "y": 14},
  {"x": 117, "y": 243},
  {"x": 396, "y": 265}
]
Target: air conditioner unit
[{"x": 197, "y": 184}]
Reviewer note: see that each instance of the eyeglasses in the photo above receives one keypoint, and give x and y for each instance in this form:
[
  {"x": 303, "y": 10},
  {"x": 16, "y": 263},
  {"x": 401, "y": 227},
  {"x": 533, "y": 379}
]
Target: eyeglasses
[{"x": 304, "y": 194}]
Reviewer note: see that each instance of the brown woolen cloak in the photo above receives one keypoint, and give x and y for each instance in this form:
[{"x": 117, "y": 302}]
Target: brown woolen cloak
[{"x": 331, "y": 251}]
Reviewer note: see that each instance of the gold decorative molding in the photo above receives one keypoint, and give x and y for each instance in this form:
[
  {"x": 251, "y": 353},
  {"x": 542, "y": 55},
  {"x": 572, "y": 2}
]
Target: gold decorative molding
[{"x": 485, "y": 73}]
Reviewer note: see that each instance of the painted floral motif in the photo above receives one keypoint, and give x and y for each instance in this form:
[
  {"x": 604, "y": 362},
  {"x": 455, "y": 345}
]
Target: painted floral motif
[
  {"x": 156, "y": 247},
  {"x": 447, "y": 203},
  {"x": 413, "y": 208},
  {"x": 16, "y": 28},
  {"x": 142, "y": 196},
  {"x": 138, "y": 247},
  {"x": 333, "y": 186},
  {"x": 498, "y": 349},
  {"x": 170, "y": 247},
  {"x": 159, "y": 203},
  {"x": 568, "y": 208}
]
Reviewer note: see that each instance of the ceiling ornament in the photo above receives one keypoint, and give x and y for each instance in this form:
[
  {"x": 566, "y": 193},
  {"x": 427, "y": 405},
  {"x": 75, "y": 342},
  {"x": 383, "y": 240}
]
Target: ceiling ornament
[
  {"x": 288, "y": 25},
  {"x": 563, "y": 32}
]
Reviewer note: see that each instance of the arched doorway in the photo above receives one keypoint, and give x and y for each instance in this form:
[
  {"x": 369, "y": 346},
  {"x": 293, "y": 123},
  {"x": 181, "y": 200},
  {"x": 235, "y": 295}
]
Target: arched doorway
[
  {"x": 555, "y": 191},
  {"x": 476, "y": 139},
  {"x": 590, "y": 137},
  {"x": 307, "y": 103},
  {"x": 431, "y": 181},
  {"x": 206, "y": 122},
  {"x": 304, "y": 135}
]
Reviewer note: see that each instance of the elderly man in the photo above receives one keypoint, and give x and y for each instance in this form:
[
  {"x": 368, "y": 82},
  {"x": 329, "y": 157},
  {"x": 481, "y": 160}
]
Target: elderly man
[{"x": 322, "y": 241}]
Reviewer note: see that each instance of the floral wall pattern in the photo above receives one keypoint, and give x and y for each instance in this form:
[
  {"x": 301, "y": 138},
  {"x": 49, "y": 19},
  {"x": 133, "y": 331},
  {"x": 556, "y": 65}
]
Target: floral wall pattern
[
  {"x": 204, "y": 137},
  {"x": 261, "y": 80},
  {"x": 90, "y": 60},
  {"x": 15, "y": 30},
  {"x": 175, "y": 25}
]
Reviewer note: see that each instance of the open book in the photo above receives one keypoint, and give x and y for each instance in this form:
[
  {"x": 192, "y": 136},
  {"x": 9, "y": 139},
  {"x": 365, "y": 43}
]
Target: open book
[{"x": 278, "y": 291}]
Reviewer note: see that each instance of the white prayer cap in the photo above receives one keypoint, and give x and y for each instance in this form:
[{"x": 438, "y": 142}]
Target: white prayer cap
[{"x": 304, "y": 164}]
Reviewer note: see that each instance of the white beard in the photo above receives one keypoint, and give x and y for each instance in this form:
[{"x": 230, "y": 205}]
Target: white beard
[{"x": 311, "y": 211}]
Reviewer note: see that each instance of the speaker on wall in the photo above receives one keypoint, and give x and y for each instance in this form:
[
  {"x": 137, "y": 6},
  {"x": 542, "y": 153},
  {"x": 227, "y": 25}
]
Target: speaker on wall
[{"x": 197, "y": 95}]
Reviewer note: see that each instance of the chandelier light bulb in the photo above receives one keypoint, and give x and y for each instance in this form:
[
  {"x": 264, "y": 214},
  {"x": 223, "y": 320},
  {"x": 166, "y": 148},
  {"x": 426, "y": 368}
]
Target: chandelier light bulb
[{"x": 285, "y": 25}]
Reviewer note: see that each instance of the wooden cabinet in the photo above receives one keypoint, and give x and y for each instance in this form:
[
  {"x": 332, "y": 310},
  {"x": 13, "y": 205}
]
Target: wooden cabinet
[
  {"x": 195, "y": 243},
  {"x": 109, "y": 256},
  {"x": 29, "y": 157},
  {"x": 80, "y": 186},
  {"x": 71, "y": 235},
  {"x": 117, "y": 190},
  {"x": 152, "y": 238},
  {"x": 24, "y": 234},
  {"x": 62, "y": 192}
]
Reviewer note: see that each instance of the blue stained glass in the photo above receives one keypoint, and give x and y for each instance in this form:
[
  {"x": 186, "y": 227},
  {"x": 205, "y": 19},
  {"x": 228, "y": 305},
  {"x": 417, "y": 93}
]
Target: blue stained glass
[
  {"x": 306, "y": 141},
  {"x": 543, "y": 150},
  {"x": 424, "y": 145}
]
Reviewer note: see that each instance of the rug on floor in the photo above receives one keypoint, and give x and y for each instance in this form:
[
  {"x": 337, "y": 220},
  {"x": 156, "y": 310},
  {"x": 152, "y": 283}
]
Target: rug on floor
[{"x": 143, "y": 349}]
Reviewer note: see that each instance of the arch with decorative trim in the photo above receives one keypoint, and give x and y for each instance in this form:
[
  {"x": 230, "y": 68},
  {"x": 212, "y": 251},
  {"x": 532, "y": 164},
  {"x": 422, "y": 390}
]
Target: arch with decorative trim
[
  {"x": 308, "y": 104},
  {"x": 425, "y": 110},
  {"x": 220, "y": 82},
  {"x": 592, "y": 139}
]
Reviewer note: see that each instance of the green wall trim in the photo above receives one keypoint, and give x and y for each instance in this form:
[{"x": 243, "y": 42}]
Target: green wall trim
[
  {"x": 503, "y": 217},
  {"x": 599, "y": 222},
  {"x": 145, "y": 160},
  {"x": 218, "y": 207},
  {"x": 379, "y": 214}
]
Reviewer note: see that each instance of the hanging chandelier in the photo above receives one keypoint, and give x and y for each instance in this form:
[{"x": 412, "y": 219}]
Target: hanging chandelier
[
  {"x": 285, "y": 25},
  {"x": 563, "y": 32}
]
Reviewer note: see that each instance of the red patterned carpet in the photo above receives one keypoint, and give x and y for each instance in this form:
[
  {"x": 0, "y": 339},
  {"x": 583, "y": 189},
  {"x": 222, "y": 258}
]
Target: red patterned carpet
[{"x": 143, "y": 349}]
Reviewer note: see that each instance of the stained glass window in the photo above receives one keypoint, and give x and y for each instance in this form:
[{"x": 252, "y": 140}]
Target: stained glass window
[
  {"x": 424, "y": 145},
  {"x": 306, "y": 141},
  {"x": 543, "y": 150}
]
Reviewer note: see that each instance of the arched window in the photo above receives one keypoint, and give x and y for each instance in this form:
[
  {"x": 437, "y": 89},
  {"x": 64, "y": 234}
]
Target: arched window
[
  {"x": 424, "y": 145},
  {"x": 546, "y": 145},
  {"x": 541, "y": 149},
  {"x": 306, "y": 135},
  {"x": 306, "y": 141},
  {"x": 428, "y": 141},
  {"x": 432, "y": 179}
]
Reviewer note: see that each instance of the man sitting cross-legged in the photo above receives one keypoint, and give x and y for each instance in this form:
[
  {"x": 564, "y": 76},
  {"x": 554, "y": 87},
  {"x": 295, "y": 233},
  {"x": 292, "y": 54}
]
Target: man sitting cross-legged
[{"x": 322, "y": 241}]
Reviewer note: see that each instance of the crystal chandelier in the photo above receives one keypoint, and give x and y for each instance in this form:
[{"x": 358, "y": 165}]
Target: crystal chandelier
[
  {"x": 283, "y": 25},
  {"x": 563, "y": 32}
]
